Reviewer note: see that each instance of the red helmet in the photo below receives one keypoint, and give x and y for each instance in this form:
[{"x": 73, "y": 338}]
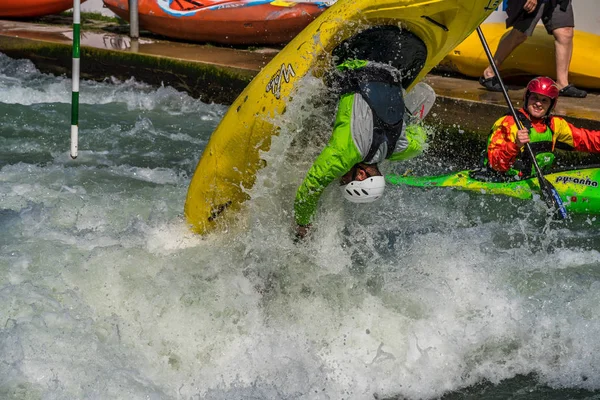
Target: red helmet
[{"x": 544, "y": 86}]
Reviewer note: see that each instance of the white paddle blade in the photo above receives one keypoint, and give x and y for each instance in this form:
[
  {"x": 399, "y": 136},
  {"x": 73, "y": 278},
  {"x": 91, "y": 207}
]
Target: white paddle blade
[{"x": 418, "y": 102}]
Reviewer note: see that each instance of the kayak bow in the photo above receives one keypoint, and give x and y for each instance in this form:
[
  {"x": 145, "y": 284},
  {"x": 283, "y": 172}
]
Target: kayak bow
[{"x": 578, "y": 188}]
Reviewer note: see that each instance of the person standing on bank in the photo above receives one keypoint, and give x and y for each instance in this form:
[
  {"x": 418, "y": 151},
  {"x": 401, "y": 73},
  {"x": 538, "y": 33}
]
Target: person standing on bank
[
  {"x": 543, "y": 131},
  {"x": 369, "y": 126},
  {"x": 523, "y": 15}
]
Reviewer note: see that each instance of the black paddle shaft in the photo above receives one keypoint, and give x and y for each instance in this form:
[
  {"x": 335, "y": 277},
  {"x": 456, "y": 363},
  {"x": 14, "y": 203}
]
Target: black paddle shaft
[{"x": 549, "y": 193}]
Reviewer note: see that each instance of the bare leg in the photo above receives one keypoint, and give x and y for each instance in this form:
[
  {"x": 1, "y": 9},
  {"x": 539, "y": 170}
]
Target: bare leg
[
  {"x": 563, "y": 44},
  {"x": 506, "y": 46}
]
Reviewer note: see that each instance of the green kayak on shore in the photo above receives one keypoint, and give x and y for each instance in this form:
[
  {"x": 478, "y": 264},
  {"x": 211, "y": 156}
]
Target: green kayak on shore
[{"x": 578, "y": 188}]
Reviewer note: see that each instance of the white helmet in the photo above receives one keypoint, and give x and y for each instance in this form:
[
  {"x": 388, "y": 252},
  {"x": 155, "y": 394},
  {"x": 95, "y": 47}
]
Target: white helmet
[{"x": 364, "y": 191}]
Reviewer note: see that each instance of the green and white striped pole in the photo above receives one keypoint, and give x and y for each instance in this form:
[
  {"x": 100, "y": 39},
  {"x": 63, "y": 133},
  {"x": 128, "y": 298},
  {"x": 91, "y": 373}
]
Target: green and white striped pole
[{"x": 75, "y": 78}]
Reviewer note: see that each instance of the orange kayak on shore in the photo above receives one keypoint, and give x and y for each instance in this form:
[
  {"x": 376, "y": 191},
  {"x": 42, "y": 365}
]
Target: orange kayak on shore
[
  {"x": 225, "y": 22},
  {"x": 33, "y": 8}
]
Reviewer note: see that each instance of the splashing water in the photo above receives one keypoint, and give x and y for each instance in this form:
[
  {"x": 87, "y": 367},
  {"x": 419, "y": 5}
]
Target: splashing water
[{"x": 105, "y": 293}]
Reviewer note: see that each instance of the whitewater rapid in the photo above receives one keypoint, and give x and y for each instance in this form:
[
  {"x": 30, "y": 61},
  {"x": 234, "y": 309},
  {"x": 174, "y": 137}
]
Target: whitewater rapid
[{"x": 106, "y": 294}]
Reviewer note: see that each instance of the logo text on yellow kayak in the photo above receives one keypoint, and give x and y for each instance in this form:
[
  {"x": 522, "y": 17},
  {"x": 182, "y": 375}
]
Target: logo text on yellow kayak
[{"x": 274, "y": 85}]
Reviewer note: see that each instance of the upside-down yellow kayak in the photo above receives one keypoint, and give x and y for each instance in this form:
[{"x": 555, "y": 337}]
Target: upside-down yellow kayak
[
  {"x": 231, "y": 159},
  {"x": 536, "y": 56}
]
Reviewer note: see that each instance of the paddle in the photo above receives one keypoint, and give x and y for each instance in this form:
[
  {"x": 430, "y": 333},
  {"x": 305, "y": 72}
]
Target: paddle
[{"x": 549, "y": 193}]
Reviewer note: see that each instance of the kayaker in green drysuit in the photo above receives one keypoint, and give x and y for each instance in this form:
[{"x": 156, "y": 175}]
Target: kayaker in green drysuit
[{"x": 370, "y": 126}]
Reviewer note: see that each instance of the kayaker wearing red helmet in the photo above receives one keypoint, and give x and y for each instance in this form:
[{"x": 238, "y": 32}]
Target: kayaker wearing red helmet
[{"x": 543, "y": 131}]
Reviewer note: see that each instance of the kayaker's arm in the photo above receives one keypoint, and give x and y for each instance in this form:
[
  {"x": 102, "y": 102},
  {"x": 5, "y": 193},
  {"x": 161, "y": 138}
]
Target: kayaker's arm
[
  {"x": 579, "y": 139},
  {"x": 416, "y": 137},
  {"x": 502, "y": 149},
  {"x": 335, "y": 160}
]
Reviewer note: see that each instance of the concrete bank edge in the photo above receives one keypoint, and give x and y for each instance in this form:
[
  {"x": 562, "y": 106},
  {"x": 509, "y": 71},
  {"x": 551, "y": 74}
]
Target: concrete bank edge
[{"x": 463, "y": 124}]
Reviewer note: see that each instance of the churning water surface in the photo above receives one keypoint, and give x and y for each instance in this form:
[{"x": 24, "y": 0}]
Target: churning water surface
[{"x": 106, "y": 294}]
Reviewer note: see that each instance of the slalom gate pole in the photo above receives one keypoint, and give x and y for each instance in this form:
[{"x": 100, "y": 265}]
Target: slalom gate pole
[{"x": 75, "y": 78}]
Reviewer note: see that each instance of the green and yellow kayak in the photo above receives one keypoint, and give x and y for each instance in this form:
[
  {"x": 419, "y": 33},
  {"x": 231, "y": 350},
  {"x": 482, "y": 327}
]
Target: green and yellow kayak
[{"x": 578, "y": 188}]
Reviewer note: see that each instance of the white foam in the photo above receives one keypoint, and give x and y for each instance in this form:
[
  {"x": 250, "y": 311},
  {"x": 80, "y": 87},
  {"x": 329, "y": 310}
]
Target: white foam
[{"x": 105, "y": 293}]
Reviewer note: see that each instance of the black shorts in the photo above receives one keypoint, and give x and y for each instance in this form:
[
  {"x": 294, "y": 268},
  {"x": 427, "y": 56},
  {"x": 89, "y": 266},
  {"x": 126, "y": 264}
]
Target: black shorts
[{"x": 552, "y": 19}]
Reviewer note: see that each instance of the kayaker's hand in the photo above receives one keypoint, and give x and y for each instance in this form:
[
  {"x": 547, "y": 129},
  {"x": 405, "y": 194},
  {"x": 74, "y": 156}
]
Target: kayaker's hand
[
  {"x": 522, "y": 138},
  {"x": 302, "y": 231},
  {"x": 530, "y": 6}
]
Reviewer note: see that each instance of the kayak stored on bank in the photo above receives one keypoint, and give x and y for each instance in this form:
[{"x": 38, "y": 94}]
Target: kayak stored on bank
[
  {"x": 236, "y": 22},
  {"x": 533, "y": 58},
  {"x": 33, "y": 8},
  {"x": 230, "y": 161},
  {"x": 578, "y": 188}
]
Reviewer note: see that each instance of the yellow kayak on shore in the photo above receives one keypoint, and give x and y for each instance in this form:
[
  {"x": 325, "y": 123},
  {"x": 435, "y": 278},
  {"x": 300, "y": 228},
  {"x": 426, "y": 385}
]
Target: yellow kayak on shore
[
  {"x": 230, "y": 161},
  {"x": 534, "y": 57}
]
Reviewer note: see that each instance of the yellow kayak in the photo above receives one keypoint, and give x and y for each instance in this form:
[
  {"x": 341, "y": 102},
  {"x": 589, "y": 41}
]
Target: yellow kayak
[
  {"x": 534, "y": 57},
  {"x": 231, "y": 159}
]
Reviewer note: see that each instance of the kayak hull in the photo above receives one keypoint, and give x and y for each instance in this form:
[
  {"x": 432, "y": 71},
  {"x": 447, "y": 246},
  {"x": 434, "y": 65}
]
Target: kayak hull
[
  {"x": 33, "y": 8},
  {"x": 579, "y": 189},
  {"x": 225, "y": 22}
]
